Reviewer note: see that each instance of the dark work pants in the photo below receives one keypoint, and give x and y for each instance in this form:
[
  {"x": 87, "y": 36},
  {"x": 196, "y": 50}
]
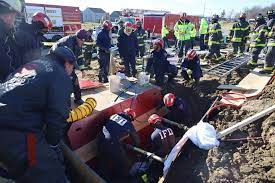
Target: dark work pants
[
  {"x": 255, "y": 53},
  {"x": 141, "y": 51},
  {"x": 214, "y": 49},
  {"x": 270, "y": 57},
  {"x": 47, "y": 166},
  {"x": 76, "y": 87},
  {"x": 166, "y": 43},
  {"x": 104, "y": 63},
  {"x": 202, "y": 44},
  {"x": 192, "y": 42},
  {"x": 237, "y": 46},
  {"x": 187, "y": 77},
  {"x": 183, "y": 45},
  {"x": 130, "y": 65}
]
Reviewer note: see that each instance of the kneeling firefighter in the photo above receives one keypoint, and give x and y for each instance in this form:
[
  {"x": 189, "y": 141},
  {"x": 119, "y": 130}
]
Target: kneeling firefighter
[{"x": 35, "y": 103}]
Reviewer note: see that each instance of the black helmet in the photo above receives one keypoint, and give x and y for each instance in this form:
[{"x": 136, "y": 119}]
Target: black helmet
[
  {"x": 270, "y": 12},
  {"x": 259, "y": 17},
  {"x": 64, "y": 53},
  {"x": 215, "y": 17}
]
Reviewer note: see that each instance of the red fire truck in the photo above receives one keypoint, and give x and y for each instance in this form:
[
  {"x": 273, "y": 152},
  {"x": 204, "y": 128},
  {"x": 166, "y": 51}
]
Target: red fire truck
[{"x": 66, "y": 19}]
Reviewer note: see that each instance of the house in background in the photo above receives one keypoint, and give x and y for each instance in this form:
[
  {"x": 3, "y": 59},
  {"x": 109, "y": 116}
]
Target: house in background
[
  {"x": 115, "y": 15},
  {"x": 94, "y": 15}
]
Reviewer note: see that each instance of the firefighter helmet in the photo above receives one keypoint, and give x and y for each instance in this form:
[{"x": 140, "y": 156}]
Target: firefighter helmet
[
  {"x": 83, "y": 35},
  {"x": 169, "y": 99},
  {"x": 128, "y": 24},
  {"x": 159, "y": 42},
  {"x": 11, "y": 5},
  {"x": 139, "y": 22},
  {"x": 191, "y": 54},
  {"x": 243, "y": 15},
  {"x": 154, "y": 118},
  {"x": 259, "y": 17},
  {"x": 107, "y": 25},
  {"x": 43, "y": 18},
  {"x": 130, "y": 112},
  {"x": 215, "y": 17},
  {"x": 183, "y": 15},
  {"x": 270, "y": 13},
  {"x": 64, "y": 53}
]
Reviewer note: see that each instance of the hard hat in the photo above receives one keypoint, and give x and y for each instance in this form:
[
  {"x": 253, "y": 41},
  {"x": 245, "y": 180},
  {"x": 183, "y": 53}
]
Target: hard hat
[
  {"x": 64, "y": 53},
  {"x": 130, "y": 112},
  {"x": 139, "y": 22},
  {"x": 270, "y": 12},
  {"x": 169, "y": 99},
  {"x": 215, "y": 17},
  {"x": 154, "y": 118},
  {"x": 107, "y": 25},
  {"x": 43, "y": 18},
  {"x": 128, "y": 24},
  {"x": 259, "y": 17},
  {"x": 83, "y": 35},
  {"x": 11, "y": 5},
  {"x": 191, "y": 54},
  {"x": 243, "y": 15},
  {"x": 159, "y": 42},
  {"x": 183, "y": 15}
]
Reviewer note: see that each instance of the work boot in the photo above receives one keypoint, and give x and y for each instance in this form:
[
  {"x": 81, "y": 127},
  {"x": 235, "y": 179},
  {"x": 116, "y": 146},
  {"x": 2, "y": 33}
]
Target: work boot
[{"x": 78, "y": 102}]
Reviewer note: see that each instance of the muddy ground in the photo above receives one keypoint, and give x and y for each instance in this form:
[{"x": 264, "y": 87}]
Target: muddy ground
[{"x": 236, "y": 159}]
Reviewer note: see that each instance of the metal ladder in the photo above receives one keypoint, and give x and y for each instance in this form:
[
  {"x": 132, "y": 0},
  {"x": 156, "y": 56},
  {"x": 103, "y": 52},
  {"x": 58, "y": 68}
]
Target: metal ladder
[{"x": 225, "y": 68}]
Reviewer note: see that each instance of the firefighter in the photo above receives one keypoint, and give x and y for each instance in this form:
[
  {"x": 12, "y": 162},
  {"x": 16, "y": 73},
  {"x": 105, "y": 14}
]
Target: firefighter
[
  {"x": 178, "y": 110},
  {"x": 111, "y": 146},
  {"x": 35, "y": 105},
  {"x": 182, "y": 31},
  {"x": 128, "y": 47},
  {"x": 75, "y": 43},
  {"x": 258, "y": 39},
  {"x": 191, "y": 68},
  {"x": 239, "y": 34},
  {"x": 203, "y": 31},
  {"x": 9, "y": 54},
  {"x": 164, "y": 35},
  {"x": 214, "y": 38},
  {"x": 29, "y": 37},
  {"x": 121, "y": 27},
  {"x": 104, "y": 44},
  {"x": 193, "y": 35},
  {"x": 163, "y": 140},
  {"x": 141, "y": 36},
  {"x": 270, "y": 55},
  {"x": 160, "y": 65}
]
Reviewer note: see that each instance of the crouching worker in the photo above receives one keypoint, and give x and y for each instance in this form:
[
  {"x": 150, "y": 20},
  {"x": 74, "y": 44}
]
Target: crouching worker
[
  {"x": 35, "y": 103},
  {"x": 191, "y": 69},
  {"x": 111, "y": 148},
  {"x": 163, "y": 141},
  {"x": 159, "y": 65}
]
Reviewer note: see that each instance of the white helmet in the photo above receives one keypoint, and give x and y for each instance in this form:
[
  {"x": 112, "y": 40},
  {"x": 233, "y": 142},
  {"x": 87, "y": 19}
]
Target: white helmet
[{"x": 12, "y": 5}]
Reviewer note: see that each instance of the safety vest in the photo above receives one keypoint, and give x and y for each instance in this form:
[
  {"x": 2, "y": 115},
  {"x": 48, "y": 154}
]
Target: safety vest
[
  {"x": 203, "y": 26},
  {"x": 194, "y": 31},
  {"x": 183, "y": 30},
  {"x": 214, "y": 34},
  {"x": 164, "y": 32},
  {"x": 258, "y": 37},
  {"x": 271, "y": 33},
  {"x": 240, "y": 31}
]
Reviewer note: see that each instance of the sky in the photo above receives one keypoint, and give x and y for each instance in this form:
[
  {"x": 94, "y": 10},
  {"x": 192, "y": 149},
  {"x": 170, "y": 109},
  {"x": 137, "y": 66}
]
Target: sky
[{"x": 192, "y": 7}]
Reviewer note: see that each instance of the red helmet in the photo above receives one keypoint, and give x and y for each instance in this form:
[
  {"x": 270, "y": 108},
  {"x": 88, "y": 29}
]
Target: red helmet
[
  {"x": 154, "y": 118},
  {"x": 41, "y": 17},
  {"x": 128, "y": 24},
  {"x": 107, "y": 25},
  {"x": 159, "y": 42},
  {"x": 169, "y": 99},
  {"x": 130, "y": 112},
  {"x": 191, "y": 54}
]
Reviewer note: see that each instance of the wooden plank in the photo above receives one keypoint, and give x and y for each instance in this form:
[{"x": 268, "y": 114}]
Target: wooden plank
[{"x": 232, "y": 87}]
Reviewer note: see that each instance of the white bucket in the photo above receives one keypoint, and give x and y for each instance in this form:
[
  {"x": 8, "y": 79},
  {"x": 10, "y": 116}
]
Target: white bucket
[
  {"x": 114, "y": 82},
  {"x": 143, "y": 78}
]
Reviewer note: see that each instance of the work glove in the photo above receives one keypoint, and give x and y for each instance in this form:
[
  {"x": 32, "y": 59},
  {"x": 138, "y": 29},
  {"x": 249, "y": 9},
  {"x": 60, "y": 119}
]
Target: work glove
[
  {"x": 58, "y": 151},
  {"x": 189, "y": 72}
]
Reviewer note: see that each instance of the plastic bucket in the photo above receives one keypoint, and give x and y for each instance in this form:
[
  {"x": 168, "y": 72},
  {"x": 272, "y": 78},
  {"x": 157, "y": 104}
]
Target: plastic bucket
[{"x": 114, "y": 82}]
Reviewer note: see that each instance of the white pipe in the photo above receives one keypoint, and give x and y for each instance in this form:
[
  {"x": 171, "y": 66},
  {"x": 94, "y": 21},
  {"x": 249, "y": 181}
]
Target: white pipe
[{"x": 245, "y": 122}]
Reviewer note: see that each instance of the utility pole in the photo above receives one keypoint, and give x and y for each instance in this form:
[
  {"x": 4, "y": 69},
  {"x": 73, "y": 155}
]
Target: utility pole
[{"x": 204, "y": 7}]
